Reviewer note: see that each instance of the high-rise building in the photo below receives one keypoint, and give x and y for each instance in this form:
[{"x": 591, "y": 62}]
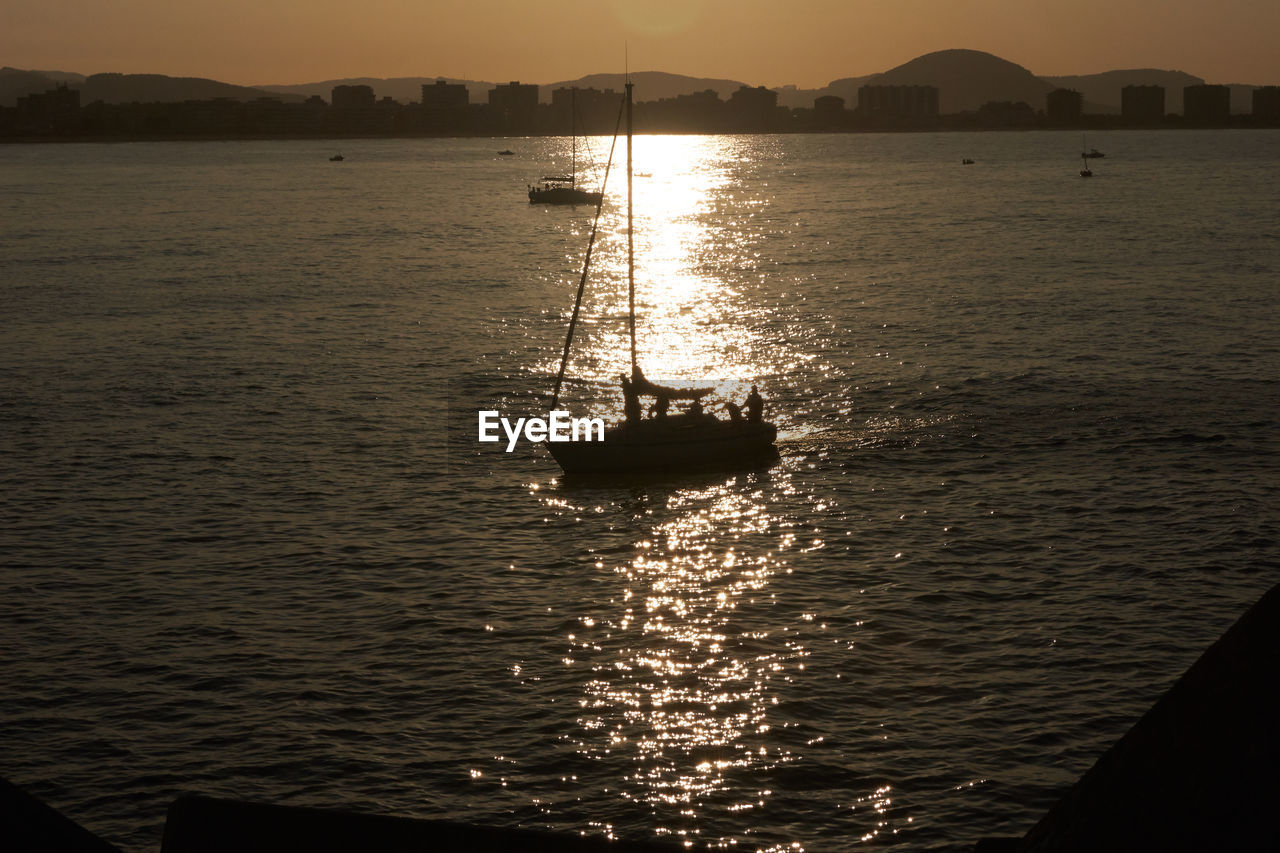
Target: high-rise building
[
  {"x": 1064, "y": 105},
  {"x": 1206, "y": 104},
  {"x": 445, "y": 105},
  {"x": 1266, "y": 102},
  {"x": 57, "y": 101},
  {"x": 515, "y": 105},
  {"x": 1142, "y": 104},
  {"x": 443, "y": 95},
  {"x": 753, "y": 108},
  {"x": 586, "y": 110},
  {"x": 352, "y": 97}
]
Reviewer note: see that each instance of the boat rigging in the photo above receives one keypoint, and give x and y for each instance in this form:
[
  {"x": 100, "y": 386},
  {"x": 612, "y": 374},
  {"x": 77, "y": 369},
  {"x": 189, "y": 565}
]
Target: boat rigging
[{"x": 693, "y": 440}]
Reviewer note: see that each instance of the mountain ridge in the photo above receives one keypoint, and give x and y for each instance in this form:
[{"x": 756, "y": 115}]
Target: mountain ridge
[
  {"x": 965, "y": 78},
  {"x": 116, "y": 88}
]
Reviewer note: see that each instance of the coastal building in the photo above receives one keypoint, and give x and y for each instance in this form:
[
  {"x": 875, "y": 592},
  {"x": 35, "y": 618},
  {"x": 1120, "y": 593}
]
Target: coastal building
[
  {"x": 897, "y": 101},
  {"x": 443, "y": 95},
  {"x": 514, "y": 106},
  {"x": 701, "y": 112},
  {"x": 1266, "y": 102},
  {"x": 753, "y": 109},
  {"x": 444, "y": 105},
  {"x": 829, "y": 112},
  {"x": 352, "y": 97},
  {"x": 54, "y": 111},
  {"x": 1064, "y": 106},
  {"x": 1206, "y": 104},
  {"x": 587, "y": 110},
  {"x": 59, "y": 100},
  {"x": 1142, "y": 104}
]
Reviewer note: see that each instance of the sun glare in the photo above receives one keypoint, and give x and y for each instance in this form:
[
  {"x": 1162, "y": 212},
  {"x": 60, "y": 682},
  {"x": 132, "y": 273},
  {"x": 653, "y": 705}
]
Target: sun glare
[{"x": 685, "y": 311}]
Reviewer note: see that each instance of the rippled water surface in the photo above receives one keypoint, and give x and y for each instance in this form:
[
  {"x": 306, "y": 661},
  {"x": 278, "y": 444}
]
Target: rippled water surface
[{"x": 253, "y": 549}]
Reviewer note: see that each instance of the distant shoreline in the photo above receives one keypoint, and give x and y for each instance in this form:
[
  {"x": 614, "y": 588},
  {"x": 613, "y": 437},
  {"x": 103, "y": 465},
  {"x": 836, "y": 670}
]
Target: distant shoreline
[{"x": 116, "y": 139}]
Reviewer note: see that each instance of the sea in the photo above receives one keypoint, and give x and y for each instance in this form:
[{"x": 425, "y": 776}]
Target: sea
[{"x": 253, "y": 547}]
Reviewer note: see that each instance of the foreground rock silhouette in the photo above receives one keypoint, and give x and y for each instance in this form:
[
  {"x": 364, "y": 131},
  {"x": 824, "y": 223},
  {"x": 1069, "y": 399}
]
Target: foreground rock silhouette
[{"x": 1200, "y": 771}]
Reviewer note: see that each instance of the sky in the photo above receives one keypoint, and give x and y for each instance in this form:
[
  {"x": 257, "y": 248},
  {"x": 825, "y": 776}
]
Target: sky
[{"x": 807, "y": 43}]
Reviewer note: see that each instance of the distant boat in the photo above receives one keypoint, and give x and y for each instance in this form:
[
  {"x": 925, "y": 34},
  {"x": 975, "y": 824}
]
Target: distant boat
[
  {"x": 336, "y": 158},
  {"x": 1085, "y": 171},
  {"x": 1094, "y": 152},
  {"x": 688, "y": 442},
  {"x": 506, "y": 152},
  {"x": 563, "y": 189},
  {"x": 966, "y": 162}
]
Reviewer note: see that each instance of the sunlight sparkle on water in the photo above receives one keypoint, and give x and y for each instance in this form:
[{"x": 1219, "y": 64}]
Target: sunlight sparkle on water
[
  {"x": 680, "y": 679},
  {"x": 691, "y": 270}
]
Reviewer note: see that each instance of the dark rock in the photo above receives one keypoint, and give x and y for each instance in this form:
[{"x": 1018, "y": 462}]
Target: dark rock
[{"x": 1200, "y": 771}]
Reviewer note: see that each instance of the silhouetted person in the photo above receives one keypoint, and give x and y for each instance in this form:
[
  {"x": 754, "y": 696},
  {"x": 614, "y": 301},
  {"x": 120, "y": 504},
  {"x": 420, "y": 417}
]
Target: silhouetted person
[
  {"x": 661, "y": 407},
  {"x": 695, "y": 410},
  {"x": 755, "y": 406},
  {"x": 735, "y": 412},
  {"x": 631, "y": 402}
]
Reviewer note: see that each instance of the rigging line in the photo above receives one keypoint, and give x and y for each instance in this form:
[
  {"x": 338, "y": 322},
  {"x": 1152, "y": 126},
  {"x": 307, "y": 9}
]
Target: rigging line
[
  {"x": 631, "y": 246},
  {"x": 586, "y": 264}
]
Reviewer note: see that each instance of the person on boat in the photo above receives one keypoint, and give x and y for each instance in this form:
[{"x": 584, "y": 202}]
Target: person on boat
[
  {"x": 755, "y": 406},
  {"x": 631, "y": 402},
  {"x": 695, "y": 411},
  {"x": 735, "y": 412},
  {"x": 660, "y": 408}
]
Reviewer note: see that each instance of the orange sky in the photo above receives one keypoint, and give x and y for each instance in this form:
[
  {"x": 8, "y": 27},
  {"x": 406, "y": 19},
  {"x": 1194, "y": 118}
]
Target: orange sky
[{"x": 804, "y": 42}]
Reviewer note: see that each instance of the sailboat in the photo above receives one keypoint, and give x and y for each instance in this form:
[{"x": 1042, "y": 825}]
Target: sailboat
[
  {"x": 693, "y": 440},
  {"x": 1085, "y": 171},
  {"x": 563, "y": 189}
]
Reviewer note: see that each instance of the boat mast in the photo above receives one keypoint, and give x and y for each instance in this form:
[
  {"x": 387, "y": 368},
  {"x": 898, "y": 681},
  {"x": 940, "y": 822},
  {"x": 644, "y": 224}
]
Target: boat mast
[
  {"x": 586, "y": 265},
  {"x": 573, "y": 131},
  {"x": 631, "y": 246}
]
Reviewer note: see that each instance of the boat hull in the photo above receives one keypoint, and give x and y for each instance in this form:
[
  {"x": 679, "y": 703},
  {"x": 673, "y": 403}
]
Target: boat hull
[
  {"x": 562, "y": 195},
  {"x": 664, "y": 447}
]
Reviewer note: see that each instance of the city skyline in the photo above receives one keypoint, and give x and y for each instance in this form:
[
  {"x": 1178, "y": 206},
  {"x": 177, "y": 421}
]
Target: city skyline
[{"x": 806, "y": 44}]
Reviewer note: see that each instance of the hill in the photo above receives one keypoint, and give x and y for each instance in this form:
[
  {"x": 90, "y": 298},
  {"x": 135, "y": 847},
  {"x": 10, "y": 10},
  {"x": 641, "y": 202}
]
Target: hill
[
  {"x": 152, "y": 88},
  {"x": 403, "y": 89},
  {"x": 124, "y": 88},
  {"x": 1104, "y": 89},
  {"x": 651, "y": 85},
  {"x": 967, "y": 79},
  {"x": 16, "y": 83},
  {"x": 845, "y": 87}
]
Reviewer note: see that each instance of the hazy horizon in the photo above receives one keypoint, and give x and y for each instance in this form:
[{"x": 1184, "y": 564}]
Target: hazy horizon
[{"x": 805, "y": 44}]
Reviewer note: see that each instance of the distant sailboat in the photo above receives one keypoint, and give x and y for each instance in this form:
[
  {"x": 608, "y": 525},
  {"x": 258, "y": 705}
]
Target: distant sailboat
[
  {"x": 563, "y": 189},
  {"x": 1085, "y": 171},
  {"x": 337, "y": 158}
]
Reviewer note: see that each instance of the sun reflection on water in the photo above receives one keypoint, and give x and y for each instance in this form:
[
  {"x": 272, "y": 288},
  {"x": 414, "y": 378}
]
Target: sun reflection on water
[
  {"x": 683, "y": 667},
  {"x": 694, "y": 271},
  {"x": 689, "y": 664}
]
